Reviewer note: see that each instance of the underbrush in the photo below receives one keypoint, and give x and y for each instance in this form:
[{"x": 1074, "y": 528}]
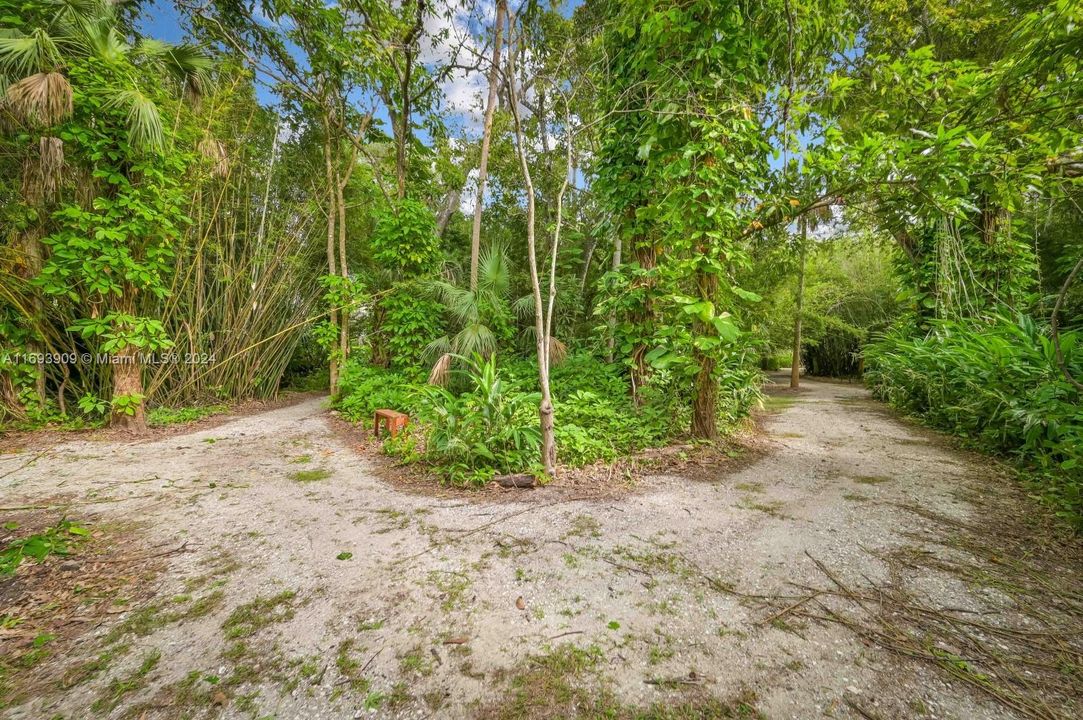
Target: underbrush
[
  {"x": 997, "y": 384},
  {"x": 485, "y": 422},
  {"x": 156, "y": 418}
]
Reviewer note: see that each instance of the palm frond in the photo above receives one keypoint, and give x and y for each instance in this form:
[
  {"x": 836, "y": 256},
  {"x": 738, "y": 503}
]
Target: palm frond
[
  {"x": 22, "y": 55},
  {"x": 436, "y": 348},
  {"x": 493, "y": 269},
  {"x": 151, "y": 48},
  {"x": 460, "y": 302},
  {"x": 41, "y": 99},
  {"x": 524, "y": 307},
  {"x": 191, "y": 66},
  {"x": 144, "y": 122},
  {"x": 70, "y": 11},
  {"x": 96, "y": 35},
  {"x": 441, "y": 371},
  {"x": 473, "y": 339}
]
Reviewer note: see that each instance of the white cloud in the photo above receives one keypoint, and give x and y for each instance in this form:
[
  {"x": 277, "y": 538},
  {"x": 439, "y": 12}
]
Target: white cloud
[{"x": 458, "y": 32}]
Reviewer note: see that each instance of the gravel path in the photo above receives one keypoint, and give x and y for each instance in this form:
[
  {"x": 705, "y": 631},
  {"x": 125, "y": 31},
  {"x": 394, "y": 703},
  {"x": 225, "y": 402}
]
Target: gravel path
[{"x": 442, "y": 602}]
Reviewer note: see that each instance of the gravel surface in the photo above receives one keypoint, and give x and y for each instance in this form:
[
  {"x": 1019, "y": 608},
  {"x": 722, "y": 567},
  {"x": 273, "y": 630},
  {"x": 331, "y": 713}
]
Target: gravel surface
[{"x": 441, "y": 600}]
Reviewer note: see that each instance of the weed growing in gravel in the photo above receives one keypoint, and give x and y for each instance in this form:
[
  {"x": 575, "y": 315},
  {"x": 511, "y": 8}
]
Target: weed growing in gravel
[
  {"x": 585, "y": 526},
  {"x": 771, "y": 507},
  {"x": 146, "y": 620},
  {"x": 350, "y": 667},
  {"x": 452, "y": 586},
  {"x": 568, "y": 681},
  {"x": 113, "y": 693},
  {"x": 416, "y": 662},
  {"x": 248, "y": 619},
  {"x": 307, "y": 476}
]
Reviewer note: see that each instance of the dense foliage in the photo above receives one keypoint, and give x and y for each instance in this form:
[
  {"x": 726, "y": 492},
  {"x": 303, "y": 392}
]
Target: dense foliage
[
  {"x": 484, "y": 423},
  {"x": 996, "y": 382},
  {"x": 660, "y": 198}
]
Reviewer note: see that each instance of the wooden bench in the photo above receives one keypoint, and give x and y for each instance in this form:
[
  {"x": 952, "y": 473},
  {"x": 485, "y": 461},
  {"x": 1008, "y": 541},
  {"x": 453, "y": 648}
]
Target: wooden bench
[{"x": 393, "y": 421}]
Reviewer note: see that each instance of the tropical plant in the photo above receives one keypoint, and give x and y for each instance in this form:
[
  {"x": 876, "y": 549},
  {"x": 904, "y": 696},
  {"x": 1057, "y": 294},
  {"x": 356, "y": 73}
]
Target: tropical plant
[
  {"x": 997, "y": 383},
  {"x": 482, "y": 315},
  {"x": 487, "y": 430},
  {"x": 116, "y": 242}
]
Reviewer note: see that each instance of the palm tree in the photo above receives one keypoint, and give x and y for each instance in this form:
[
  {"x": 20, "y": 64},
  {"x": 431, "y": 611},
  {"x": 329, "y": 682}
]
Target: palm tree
[
  {"x": 482, "y": 315},
  {"x": 34, "y": 64},
  {"x": 36, "y": 95}
]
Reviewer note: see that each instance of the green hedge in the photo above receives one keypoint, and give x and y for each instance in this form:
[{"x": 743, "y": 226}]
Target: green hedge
[{"x": 996, "y": 383}]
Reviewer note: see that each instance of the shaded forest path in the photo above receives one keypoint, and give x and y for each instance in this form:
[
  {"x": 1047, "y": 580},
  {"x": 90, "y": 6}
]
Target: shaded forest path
[{"x": 279, "y": 576}]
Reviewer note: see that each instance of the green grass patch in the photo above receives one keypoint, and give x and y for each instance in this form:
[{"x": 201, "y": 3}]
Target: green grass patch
[
  {"x": 115, "y": 691},
  {"x": 248, "y": 619},
  {"x": 307, "y": 476},
  {"x": 871, "y": 479},
  {"x": 568, "y": 681}
]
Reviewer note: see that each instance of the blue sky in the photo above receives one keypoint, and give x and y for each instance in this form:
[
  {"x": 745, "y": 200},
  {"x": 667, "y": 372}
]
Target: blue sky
[{"x": 462, "y": 110}]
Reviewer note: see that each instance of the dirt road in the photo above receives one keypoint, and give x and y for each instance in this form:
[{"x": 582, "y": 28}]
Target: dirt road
[{"x": 291, "y": 582}]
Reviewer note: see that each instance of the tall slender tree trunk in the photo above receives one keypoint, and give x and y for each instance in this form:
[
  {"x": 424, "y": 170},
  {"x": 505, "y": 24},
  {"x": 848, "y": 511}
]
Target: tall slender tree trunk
[
  {"x": 486, "y": 137},
  {"x": 128, "y": 380},
  {"x": 344, "y": 320},
  {"x": 127, "y": 368},
  {"x": 331, "y": 264},
  {"x": 611, "y": 341},
  {"x": 646, "y": 255},
  {"x": 545, "y": 409},
  {"x": 795, "y": 361},
  {"x": 405, "y": 133}
]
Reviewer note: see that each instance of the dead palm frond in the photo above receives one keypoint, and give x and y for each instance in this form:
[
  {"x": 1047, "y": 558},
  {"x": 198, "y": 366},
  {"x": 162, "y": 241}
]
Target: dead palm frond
[
  {"x": 214, "y": 151},
  {"x": 441, "y": 371},
  {"x": 42, "y": 172},
  {"x": 558, "y": 351},
  {"x": 44, "y": 98}
]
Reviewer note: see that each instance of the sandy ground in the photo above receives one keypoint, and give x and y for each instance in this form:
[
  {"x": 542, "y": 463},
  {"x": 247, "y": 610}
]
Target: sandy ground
[{"x": 445, "y": 604}]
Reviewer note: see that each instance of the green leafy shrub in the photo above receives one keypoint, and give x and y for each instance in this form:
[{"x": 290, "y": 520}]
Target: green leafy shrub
[
  {"x": 365, "y": 388},
  {"x": 404, "y": 240},
  {"x": 411, "y": 320},
  {"x": 997, "y": 384},
  {"x": 486, "y": 422},
  {"x": 596, "y": 418},
  {"x": 490, "y": 429}
]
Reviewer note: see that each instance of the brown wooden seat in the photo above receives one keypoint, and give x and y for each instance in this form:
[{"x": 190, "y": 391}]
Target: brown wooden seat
[{"x": 393, "y": 421}]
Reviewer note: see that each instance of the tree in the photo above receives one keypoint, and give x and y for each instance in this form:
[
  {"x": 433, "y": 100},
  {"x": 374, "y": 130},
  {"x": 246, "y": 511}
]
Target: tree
[
  {"x": 948, "y": 138},
  {"x": 486, "y": 137},
  {"x": 799, "y": 299},
  {"x": 115, "y": 245},
  {"x": 691, "y": 88}
]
